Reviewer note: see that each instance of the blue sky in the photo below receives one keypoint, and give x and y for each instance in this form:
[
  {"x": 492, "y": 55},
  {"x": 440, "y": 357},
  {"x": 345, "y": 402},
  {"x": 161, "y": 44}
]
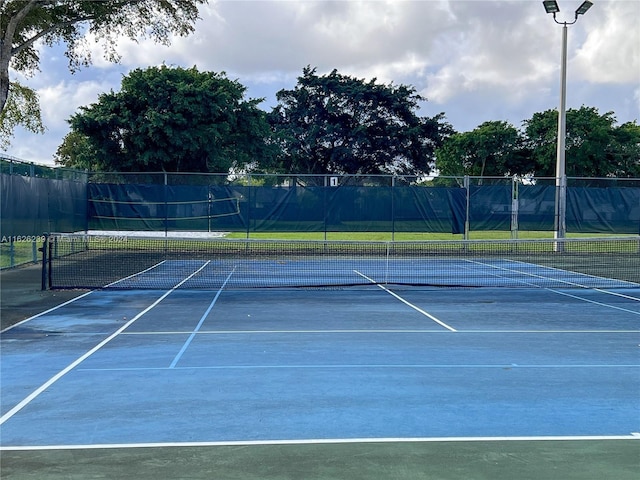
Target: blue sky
[{"x": 474, "y": 60}]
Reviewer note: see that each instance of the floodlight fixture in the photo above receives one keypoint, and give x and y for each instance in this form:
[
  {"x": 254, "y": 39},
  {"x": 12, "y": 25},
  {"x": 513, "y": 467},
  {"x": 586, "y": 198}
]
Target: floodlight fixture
[
  {"x": 551, "y": 6},
  {"x": 582, "y": 9}
]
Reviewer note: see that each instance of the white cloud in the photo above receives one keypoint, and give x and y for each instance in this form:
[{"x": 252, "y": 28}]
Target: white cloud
[
  {"x": 498, "y": 49},
  {"x": 611, "y": 51},
  {"x": 58, "y": 102},
  {"x": 475, "y": 60}
]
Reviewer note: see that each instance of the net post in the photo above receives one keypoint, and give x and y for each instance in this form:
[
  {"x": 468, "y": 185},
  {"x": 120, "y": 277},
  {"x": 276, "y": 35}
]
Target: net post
[
  {"x": 52, "y": 249},
  {"x": 388, "y": 259},
  {"x": 45, "y": 264}
]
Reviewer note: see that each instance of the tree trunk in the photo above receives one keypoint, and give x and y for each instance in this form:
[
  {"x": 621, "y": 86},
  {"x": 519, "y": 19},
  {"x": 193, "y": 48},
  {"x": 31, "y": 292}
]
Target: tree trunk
[
  {"x": 6, "y": 48},
  {"x": 4, "y": 77}
]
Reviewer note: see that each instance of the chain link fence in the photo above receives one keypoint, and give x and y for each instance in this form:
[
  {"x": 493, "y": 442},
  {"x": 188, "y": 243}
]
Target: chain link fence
[{"x": 37, "y": 199}]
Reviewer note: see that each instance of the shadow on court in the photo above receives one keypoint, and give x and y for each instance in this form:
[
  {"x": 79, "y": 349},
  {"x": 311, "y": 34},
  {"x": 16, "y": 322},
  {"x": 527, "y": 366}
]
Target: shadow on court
[
  {"x": 21, "y": 295},
  {"x": 495, "y": 459}
]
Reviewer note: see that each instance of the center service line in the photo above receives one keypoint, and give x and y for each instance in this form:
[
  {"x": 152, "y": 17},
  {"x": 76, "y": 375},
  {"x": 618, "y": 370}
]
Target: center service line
[
  {"x": 204, "y": 316},
  {"x": 418, "y": 309}
]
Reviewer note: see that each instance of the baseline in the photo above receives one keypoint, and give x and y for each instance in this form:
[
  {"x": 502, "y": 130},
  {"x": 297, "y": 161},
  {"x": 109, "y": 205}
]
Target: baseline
[{"x": 320, "y": 441}]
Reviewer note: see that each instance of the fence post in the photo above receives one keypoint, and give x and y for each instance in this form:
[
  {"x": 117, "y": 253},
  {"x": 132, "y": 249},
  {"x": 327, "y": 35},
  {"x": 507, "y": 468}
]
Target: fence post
[
  {"x": 325, "y": 182},
  {"x": 12, "y": 252},
  {"x": 468, "y": 204},
  {"x": 560, "y": 226},
  {"x": 393, "y": 210},
  {"x": 250, "y": 188},
  {"x": 166, "y": 205},
  {"x": 515, "y": 202}
]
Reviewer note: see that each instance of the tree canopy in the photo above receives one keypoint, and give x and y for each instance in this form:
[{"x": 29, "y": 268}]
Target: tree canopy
[
  {"x": 491, "y": 149},
  {"x": 25, "y": 23},
  {"x": 595, "y": 147},
  {"x": 176, "y": 119},
  {"x": 168, "y": 119},
  {"x": 624, "y": 152},
  {"x": 21, "y": 108},
  {"x": 339, "y": 124}
]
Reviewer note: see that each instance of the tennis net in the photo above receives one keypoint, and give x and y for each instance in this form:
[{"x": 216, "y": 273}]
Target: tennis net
[{"x": 112, "y": 262}]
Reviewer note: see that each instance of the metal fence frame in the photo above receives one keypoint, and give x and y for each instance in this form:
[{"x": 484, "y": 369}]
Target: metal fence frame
[{"x": 13, "y": 166}]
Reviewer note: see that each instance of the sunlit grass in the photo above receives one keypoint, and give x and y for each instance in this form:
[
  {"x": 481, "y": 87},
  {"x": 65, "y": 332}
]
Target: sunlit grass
[
  {"x": 403, "y": 236},
  {"x": 18, "y": 253}
]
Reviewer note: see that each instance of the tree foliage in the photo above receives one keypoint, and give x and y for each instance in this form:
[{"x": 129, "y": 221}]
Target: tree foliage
[
  {"x": 625, "y": 151},
  {"x": 24, "y": 24},
  {"x": 492, "y": 149},
  {"x": 168, "y": 119},
  {"x": 338, "y": 124},
  {"x": 595, "y": 147},
  {"x": 22, "y": 109}
]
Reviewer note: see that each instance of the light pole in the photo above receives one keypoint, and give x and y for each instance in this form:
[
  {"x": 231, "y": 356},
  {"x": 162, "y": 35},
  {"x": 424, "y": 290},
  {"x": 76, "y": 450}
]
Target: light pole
[{"x": 560, "y": 228}]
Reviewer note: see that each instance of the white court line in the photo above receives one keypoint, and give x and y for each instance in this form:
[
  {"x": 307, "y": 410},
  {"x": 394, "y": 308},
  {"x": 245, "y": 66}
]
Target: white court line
[
  {"x": 631, "y": 284},
  {"x": 276, "y": 332},
  {"x": 618, "y": 294},
  {"x": 362, "y": 366},
  {"x": 557, "y": 291},
  {"x": 134, "y": 274},
  {"x": 326, "y": 441},
  {"x": 534, "y": 275},
  {"x": 48, "y": 311},
  {"x": 82, "y": 358},
  {"x": 76, "y": 298},
  {"x": 601, "y": 290},
  {"x": 204, "y": 316},
  {"x": 417, "y": 309},
  {"x": 594, "y": 302},
  {"x": 359, "y": 331}
]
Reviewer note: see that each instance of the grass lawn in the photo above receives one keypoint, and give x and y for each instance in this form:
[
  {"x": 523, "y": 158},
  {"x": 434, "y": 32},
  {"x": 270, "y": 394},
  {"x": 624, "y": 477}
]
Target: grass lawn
[
  {"x": 401, "y": 236},
  {"x": 18, "y": 253}
]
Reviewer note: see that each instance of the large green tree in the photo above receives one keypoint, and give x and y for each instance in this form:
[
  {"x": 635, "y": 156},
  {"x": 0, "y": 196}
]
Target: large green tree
[
  {"x": 24, "y": 24},
  {"x": 339, "y": 124},
  {"x": 595, "y": 146},
  {"x": 491, "y": 149},
  {"x": 168, "y": 119},
  {"x": 625, "y": 150}
]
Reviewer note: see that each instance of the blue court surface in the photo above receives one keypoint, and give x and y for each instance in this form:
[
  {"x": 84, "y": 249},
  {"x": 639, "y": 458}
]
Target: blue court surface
[{"x": 373, "y": 363}]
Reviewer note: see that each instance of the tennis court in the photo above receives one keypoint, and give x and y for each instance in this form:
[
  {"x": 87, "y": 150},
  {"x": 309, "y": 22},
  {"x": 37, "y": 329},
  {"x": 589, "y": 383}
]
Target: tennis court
[{"x": 370, "y": 366}]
